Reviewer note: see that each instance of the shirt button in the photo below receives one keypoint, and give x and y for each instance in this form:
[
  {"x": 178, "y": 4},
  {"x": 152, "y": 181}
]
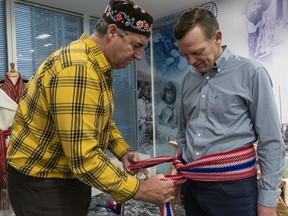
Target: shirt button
[
  {"x": 207, "y": 77},
  {"x": 203, "y": 96},
  {"x": 219, "y": 70},
  {"x": 199, "y": 134},
  {"x": 197, "y": 153}
]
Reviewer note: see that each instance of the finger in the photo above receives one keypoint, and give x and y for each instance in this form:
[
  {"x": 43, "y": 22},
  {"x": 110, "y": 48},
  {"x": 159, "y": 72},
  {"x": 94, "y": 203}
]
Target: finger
[
  {"x": 170, "y": 192},
  {"x": 128, "y": 170},
  {"x": 135, "y": 171},
  {"x": 168, "y": 199},
  {"x": 138, "y": 175},
  {"x": 146, "y": 173},
  {"x": 135, "y": 158},
  {"x": 131, "y": 172},
  {"x": 170, "y": 183},
  {"x": 179, "y": 200}
]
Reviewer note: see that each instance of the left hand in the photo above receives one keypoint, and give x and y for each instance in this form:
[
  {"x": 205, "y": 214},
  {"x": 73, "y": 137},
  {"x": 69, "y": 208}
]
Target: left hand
[
  {"x": 266, "y": 211},
  {"x": 130, "y": 158}
]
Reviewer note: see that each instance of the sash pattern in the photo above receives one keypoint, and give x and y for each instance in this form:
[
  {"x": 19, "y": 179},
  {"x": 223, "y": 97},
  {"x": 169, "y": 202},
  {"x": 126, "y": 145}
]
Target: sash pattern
[{"x": 227, "y": 166}]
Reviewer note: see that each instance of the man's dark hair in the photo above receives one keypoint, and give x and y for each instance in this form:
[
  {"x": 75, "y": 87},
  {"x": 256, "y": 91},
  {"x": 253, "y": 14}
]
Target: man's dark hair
[{"x": 197, "y": 17}]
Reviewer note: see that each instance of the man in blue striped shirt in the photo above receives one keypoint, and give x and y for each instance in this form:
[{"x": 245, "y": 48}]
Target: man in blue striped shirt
[{"x": 227, "y": 104}]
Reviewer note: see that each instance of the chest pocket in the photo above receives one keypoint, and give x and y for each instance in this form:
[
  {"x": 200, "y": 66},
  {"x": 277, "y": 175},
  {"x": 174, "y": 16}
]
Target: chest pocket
[{"x": 225, "y": 108}]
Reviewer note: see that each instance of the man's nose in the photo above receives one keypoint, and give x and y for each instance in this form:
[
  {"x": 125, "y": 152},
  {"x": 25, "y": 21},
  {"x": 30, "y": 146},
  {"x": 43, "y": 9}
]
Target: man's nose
[{"x": 138, "y": 54}]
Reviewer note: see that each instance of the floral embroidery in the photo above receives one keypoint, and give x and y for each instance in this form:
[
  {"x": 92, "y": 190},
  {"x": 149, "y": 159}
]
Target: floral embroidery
[
  {"x": 146, "y": 26},
  {"x": 120, "y": 16},
  {"x": 139, "y": 24}
]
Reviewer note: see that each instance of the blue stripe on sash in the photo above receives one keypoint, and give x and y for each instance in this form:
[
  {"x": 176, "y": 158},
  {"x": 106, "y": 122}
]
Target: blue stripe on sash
[
  {"x": 168, "y": 209},
  {"x": 228, "y": 168}
]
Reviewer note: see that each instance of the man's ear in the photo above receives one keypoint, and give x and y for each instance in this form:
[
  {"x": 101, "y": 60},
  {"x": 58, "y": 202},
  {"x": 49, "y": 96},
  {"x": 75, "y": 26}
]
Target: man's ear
[
  {"x": 218, "y": 38},
  {"x": 112, "y": 31}
]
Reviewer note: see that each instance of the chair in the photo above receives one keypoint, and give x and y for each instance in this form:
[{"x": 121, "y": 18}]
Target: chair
[{"x": 172, "y": 170}]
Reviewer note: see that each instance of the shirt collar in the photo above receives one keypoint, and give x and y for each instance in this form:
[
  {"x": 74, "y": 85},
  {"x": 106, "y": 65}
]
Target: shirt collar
[
  {"x": 223, "y": 59},
  {"x": 97, "y": 53}
]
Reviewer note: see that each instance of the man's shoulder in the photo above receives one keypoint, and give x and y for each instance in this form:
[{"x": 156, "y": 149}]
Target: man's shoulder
[{"x": 245, "y": 62}]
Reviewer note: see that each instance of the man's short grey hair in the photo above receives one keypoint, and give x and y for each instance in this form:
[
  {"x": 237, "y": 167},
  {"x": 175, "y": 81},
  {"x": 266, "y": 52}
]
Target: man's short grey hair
[{"x": 101, "y": 27}]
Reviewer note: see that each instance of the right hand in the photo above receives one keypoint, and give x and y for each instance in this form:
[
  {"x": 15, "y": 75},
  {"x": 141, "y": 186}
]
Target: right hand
[{"x": 155, "y": 190}]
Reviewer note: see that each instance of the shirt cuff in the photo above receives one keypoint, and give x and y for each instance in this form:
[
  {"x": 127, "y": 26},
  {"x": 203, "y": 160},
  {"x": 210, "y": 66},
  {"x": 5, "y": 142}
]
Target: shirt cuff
[
  {"x": 268, "y": 198},
  {"x": 127, "y": 191}
]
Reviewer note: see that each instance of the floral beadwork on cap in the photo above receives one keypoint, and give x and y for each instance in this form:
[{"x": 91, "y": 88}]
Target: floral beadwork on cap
[
  {"x": 121, "y": 16},
  {"x": 128, "y": 16}
]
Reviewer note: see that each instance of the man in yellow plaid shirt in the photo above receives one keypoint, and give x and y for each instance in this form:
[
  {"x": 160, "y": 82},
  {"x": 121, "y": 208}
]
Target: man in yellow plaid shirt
[{"x": 63, "y": 125}]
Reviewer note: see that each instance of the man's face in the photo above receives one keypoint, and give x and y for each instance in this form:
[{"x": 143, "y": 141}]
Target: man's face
[
  {"x": 254, "y": 11},
  {"x": 199, "y": 51},
  {"x": 126, "y": 48},
  {"x": 169, "y": 96},
  {"x": 147, "y": 92}
]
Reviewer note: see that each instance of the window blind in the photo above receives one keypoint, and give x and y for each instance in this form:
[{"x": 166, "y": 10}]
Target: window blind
[
  {"x": 92, "y": 23},
  {"x": 125, "y": 114},
  {"x": 3, "y": 41},
  {"x": 39, "y": 32}
]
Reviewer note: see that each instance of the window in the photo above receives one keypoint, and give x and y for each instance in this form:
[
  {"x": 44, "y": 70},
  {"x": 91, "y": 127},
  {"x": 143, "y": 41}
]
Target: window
[
  {"x": 125, "y": 114},
  {"x": 39, "y": 32},
  {"x": 92, "y": 23},
  {"x": 3, "y": 41}
]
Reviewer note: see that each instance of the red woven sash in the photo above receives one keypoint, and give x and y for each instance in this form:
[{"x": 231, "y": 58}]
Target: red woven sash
[
  {"x": 4, "y": 199},
  {"x": 228, "y": 166}
]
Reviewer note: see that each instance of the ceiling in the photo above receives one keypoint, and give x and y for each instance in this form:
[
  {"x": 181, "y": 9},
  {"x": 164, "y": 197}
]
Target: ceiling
[{"x": 157, "y": 8}]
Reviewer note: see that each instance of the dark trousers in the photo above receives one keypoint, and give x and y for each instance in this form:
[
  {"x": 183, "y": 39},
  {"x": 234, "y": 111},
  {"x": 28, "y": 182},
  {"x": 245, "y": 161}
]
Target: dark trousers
[
  {"x": 30, "y": 196},
  {"x": 233, "y": 198}
]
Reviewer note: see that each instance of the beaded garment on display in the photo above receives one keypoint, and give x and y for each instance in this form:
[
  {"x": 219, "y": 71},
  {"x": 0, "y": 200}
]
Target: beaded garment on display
[{"x": 211, "y": 6}]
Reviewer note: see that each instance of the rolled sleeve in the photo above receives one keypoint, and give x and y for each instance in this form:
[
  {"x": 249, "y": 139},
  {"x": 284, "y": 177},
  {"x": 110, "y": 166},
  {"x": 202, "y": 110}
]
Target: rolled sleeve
[{"x": 268, "y": 198}]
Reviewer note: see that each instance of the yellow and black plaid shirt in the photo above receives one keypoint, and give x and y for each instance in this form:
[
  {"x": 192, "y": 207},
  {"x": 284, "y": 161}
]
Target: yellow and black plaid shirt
[{"x": 63, "y": 124}]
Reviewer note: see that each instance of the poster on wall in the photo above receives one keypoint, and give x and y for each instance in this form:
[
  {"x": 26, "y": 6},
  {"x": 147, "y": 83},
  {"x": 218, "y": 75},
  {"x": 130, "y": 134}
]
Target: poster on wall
[
  {"x": 144, "y": 104},
  {"x": 267, "y": 27},
  {"x": 267, "y": 30},
  {"x": 169, "y": 68},
  {"x": 160, "y": 119}
]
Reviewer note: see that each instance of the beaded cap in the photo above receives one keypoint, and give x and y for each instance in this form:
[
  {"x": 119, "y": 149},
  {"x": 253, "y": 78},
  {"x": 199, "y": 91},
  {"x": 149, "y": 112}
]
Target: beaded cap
[{"x": 128, "y": 16}]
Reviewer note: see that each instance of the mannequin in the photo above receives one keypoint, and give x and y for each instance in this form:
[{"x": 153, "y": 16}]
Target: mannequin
[
  {"x": 13, "y": 84},
  {"x": 13, "y": 74},
  {"x": 9, "y": 97}
]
